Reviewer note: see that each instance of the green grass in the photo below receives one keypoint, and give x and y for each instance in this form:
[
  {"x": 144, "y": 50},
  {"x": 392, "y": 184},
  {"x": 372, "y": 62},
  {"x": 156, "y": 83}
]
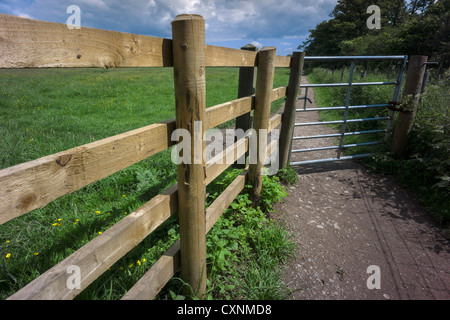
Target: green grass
[
  {"x": 44, "y": 111},
  {"x": 425, "y": 169}
]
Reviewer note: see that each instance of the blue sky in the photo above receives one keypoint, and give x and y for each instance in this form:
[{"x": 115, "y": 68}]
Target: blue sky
[{"x": 229, "y": 23}]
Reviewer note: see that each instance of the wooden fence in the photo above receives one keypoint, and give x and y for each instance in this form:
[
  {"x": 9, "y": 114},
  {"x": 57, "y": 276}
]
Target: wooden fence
[{"x": 31, "y": 44}]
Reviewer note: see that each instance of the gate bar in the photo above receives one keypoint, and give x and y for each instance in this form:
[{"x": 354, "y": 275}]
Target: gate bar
[
  {"x": 333, "y": 135},
  {"x": 343, "y": 107},
  {"x": 337, "y": 147},
  {"x": 344, "y": 84},
  {"x": 340, "y": 121},
  {"x": 358, "y": 156},
  {"x": 333, "y": 58}
]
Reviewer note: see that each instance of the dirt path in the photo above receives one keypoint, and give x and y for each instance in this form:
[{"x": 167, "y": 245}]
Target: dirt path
[{"x": 345, "y": 219}]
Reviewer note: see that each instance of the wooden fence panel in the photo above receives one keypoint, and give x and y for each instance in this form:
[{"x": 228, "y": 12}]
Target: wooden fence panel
[
  {"x": 36, "y": 183},
  {"x": 163, "y": 270},
  {"x": 28, "y": 43}
]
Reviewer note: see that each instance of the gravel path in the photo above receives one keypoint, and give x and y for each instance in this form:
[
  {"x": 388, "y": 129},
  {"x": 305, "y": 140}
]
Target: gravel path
[{"x": 345, "y": 220}]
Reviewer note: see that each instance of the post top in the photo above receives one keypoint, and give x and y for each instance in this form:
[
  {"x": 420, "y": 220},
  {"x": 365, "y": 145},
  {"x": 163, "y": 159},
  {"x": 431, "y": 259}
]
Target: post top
[
  {"x": 183, "y": 17},
  {"x": 268, "y": 49}
]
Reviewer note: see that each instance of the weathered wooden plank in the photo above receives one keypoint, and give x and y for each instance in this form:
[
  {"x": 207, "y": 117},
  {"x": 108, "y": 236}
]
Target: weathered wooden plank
[
  {"x": 278, "y": 93},
  {"x": 163, "y": 270},
  {"x": 151, "y": 283},
  {"x": 274, "y": 121},
  {"x": 230, "y": 57},
  {"x": 98, "y": 255},
  {"x": 102, "y": 252},
  {"x": 36, "y": 183},
  {"x": 26, "y": 43},
  {"x": 282, "y": 61},
  {"x": 155, "y": 279},
  {"x": 229, "y": 110}
]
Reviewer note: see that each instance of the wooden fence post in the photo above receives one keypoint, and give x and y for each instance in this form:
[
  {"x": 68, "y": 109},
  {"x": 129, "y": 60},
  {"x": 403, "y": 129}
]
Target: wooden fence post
[
  {"x": 246, "y": 88},
  {"x": 263, "y": 98},
  {"x": 188, "y": 34},
  {"x": 288, "y": 118},
  {"x": 411, "y": 98}
]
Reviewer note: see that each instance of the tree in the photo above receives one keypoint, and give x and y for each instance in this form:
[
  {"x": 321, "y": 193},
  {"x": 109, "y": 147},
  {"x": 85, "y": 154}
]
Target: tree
[
  {"x": 419, "y": 27},
  {"x": 349, "y": 21},
  {"x": 428, "y": 32}
]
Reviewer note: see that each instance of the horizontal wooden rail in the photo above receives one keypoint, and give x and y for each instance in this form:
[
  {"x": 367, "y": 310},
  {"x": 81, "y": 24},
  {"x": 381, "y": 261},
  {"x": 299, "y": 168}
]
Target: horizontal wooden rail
[
  {"x": 156, "y": 278},
  {"x": 99, "y": 254},
  {"x": 160, "y": 273},
  {"x": 30, "y": 43},
  {"x": 34, "y": 184},
  {"x": 27, "y": 43}
]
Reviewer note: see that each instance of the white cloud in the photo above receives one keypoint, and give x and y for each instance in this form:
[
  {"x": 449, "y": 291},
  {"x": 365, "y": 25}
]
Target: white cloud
[
  {"x": 257, "y": 44},
  {"x": 21, "y": 14}
]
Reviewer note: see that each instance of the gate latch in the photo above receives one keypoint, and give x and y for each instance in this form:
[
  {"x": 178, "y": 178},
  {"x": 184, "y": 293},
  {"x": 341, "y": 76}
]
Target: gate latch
[{"x": 394, "y": 106}]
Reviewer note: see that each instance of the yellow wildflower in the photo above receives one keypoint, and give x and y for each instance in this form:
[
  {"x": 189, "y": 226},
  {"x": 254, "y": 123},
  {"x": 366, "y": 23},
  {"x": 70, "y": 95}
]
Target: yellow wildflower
[
  {"x": 36, "y": 253},
  {"x": 139, "y": 262},
  {"x": 8, "y": 255}
]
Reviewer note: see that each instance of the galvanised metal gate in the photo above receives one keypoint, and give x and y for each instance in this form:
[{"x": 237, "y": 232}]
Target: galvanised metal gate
[{"x": 346, "y": 107}]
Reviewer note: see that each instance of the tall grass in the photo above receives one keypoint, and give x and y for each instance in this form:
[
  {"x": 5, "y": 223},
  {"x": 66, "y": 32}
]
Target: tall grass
[{"x": 44, "y": 111}]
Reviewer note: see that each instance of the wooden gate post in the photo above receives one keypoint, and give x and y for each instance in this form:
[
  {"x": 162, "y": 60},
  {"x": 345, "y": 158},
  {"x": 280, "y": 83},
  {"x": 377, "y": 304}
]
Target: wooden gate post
[
  {"x": 188, "y": 36},
  {"x": 246, "y": 88},
  {"x": 263, "y": 98},
  {"x": 411, "y": 98},
  {"x": 288, "y": 118}
]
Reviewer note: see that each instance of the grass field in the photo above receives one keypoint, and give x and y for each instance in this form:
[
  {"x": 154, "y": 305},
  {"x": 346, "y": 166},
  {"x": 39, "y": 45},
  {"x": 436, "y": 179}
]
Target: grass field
[{"x": 44, "y": 111}]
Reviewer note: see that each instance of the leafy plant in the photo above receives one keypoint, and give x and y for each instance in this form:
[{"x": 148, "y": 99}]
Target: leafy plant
[{"x": 288, "y": 175}]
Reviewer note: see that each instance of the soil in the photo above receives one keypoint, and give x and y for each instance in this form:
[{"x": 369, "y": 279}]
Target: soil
[{"x": 345, "y": 219}]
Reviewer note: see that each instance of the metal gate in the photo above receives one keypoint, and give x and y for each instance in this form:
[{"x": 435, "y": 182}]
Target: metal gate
[{"x": 346, "y": 107}]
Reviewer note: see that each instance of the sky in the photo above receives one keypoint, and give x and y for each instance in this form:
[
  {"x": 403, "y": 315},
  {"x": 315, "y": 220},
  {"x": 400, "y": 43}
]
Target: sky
[{"x": 283, "y": 24}]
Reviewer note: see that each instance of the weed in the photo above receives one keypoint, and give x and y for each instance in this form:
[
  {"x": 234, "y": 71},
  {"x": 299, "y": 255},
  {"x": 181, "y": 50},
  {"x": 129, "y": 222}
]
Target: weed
[{"x": 288, "y": 175}]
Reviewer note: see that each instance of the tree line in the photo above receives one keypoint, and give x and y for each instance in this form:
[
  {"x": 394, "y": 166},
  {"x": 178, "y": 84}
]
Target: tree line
[{"x": 414, "y": 27}]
